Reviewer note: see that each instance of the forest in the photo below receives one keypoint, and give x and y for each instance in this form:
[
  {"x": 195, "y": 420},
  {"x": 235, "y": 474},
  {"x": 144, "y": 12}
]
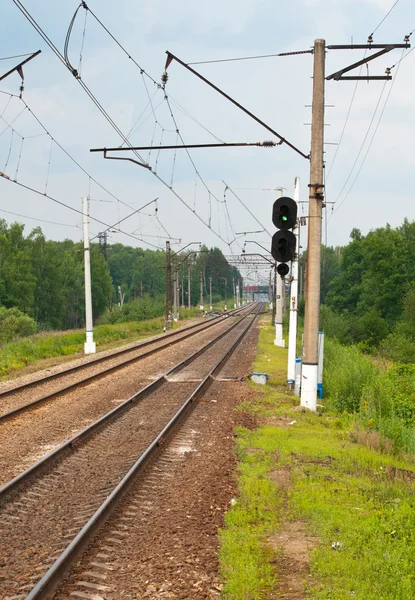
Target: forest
[
  {"x": 42, "y": 281},
  {"x": 368, "y": 291}
]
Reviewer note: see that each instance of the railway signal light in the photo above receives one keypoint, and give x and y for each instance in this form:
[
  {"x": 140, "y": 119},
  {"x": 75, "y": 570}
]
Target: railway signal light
[
  {"x": 284, "y": 217},
  {"x": 283, "y": 248},
  {"x": 284, "y": 213}
]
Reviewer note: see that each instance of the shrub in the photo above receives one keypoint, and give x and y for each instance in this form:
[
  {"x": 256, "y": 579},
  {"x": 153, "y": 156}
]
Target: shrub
[
  {"x": 15, "y": 324},
  {"x": 398, "y": 347},
  {"x": 388, "y": 405},
  {"x": 346, "y": 373}
]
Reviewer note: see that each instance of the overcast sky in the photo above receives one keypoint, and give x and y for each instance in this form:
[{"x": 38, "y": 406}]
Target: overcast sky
[{"x": 277, "y": 90}]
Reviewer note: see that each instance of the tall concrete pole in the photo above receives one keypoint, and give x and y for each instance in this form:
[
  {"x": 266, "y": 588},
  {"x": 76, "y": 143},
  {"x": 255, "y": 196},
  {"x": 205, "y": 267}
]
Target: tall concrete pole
[
  {"x": 89, "y": 346},
  {"x": 279, "y": 338},
  {"x": 316, "y": 188},
  {"x": 292, "y": 336},
  {"x": 201, "y": 290},
  {"x": 168, "y": 287},
  {"x": 234, "y": 292},
  {"x": 210, "y": 292},
  {"x": 189, "y": 302}
]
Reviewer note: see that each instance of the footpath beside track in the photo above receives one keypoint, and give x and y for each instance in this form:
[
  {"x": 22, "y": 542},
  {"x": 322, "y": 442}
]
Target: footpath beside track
[{"x": 73, "y": 489}]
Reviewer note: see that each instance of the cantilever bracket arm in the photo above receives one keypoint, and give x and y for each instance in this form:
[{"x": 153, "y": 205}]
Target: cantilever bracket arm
[
  {"x": 137, "y": 162},
  {"x": 385, "y": 49},
  {"x": 19, "y": 66},
  {"x": 171, "y": 57}
]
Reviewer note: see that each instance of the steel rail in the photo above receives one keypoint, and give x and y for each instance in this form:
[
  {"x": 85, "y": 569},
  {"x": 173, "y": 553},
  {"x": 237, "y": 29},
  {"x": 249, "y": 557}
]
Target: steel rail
[
  {"x": 56, "y": 572},
  {"x": 12, "y": 486},
  {"x": 24, "y": 407}
]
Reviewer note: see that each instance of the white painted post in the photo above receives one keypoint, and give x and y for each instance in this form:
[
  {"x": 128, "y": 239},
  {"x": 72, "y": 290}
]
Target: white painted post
[
  {"x": 292, "y": 336},
  {"x": 89, "y": 346},
  {"x": 320, "y": 364},
  {"x": 297, "y": 384}
]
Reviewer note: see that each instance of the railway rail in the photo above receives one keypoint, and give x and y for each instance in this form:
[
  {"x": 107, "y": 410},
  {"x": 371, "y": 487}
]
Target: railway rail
[
  {"x": 82, "y": 480},
  {"x": 10, "y": 399}
]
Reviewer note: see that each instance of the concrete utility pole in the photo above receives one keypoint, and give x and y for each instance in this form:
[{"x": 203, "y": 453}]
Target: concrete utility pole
[
  {"x": 188, "y": 286},
  {"x": 316, "y": 187},
  {"x": 201, "y": 290},
  {"x": 279, "y": 337},
  {"x": 175, "y": 287},
  {"x": 210, "y": 292},
  {"x": 234, "y": 292},
  {"x": 168, "y": 287},
  {"x": 89, "y": 346},
  {"x": 292, "y": 336}
]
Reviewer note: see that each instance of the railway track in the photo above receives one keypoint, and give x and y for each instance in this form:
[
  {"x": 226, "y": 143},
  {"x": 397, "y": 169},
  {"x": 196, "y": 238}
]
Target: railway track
[
  {"x": 21, "y": 398},
  {"x": 73, "y": 490}
]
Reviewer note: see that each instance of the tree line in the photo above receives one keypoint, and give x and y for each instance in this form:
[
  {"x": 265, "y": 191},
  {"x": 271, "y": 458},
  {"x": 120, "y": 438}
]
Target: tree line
[
  {"x": 44, "y": 279},
  {"x": 370, "y": 291}
]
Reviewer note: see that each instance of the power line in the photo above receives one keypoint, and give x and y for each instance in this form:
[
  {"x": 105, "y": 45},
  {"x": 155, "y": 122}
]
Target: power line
[
  {"x": 346, "y": 121},
  {"x": 385, "y": 17},
  {"x": 244, "y": 205},
  {"x": 37, "y": 27},
  {"x": 17, "y": 56},
  {"x": 370, "y": 143},
  {"x": 28, "y": 187},
  {"x": 220, "y": 60},
  {"x": 73, "y": 159},
  {"x": 363, "y": 143},
  {"x": 35, "y": 219}
]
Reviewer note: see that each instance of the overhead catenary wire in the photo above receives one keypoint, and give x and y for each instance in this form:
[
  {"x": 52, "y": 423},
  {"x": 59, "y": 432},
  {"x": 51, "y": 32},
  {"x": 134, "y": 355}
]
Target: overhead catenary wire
[
  {"x": 370, "y": 143},
  {"x": 221, "y": 60},
  {"x": 363, "y": 142},
  {"x": 246, "y": 208},
  {"x": 385, "y": 17},
  {"x": 345, "y": 122},
  {"x": 34, "y": 190},
  {"x": 37, "y": 27},
  {"x": 37, "y": 219},
  {"x": 16, "y": 56}
]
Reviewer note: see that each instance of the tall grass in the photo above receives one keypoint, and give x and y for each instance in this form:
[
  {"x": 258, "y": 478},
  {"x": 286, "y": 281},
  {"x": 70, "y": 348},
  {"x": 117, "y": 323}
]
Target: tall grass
[
  {"x": 382, "y": 400},
  {"x": 19, "y": 354},
  {"x": 346, "y": 373}
]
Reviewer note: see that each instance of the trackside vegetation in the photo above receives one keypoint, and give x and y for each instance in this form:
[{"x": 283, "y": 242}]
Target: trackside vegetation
[
  {"x": 26, "y": 351},
  {"x": 44, "y": 279},
  {"x": 324, "y": 508}
]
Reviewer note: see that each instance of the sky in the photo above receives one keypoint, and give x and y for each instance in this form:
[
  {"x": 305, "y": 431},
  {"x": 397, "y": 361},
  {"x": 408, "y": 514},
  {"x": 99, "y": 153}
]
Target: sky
[{"x": 201, "y": 193}]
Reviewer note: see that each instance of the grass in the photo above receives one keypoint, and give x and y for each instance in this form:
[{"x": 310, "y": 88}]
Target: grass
[
  {"x": 348, "y": 494},
  {"x": 17, "y": 355}
]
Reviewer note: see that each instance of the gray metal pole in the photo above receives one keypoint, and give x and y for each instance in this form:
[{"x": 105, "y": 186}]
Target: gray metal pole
[
  {"x": 89, "y": 346},
  {"x": 210, "y": 292},
  {"x": 312, "y": 297}
]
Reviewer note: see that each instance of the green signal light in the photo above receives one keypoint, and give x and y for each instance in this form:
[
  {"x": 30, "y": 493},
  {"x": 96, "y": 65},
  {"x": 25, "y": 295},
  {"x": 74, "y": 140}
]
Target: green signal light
[{"x": 284, "y": 218}]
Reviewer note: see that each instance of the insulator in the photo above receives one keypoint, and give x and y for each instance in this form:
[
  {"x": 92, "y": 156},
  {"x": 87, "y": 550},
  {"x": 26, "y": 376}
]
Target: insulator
[
  {"x": 388, "y": 71},
  {"x": 370, "y": 39},
  {"x": 406, "y": 39},
  {"x": 164, "y": 77},
  {"x": 268, "y": 144}
]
